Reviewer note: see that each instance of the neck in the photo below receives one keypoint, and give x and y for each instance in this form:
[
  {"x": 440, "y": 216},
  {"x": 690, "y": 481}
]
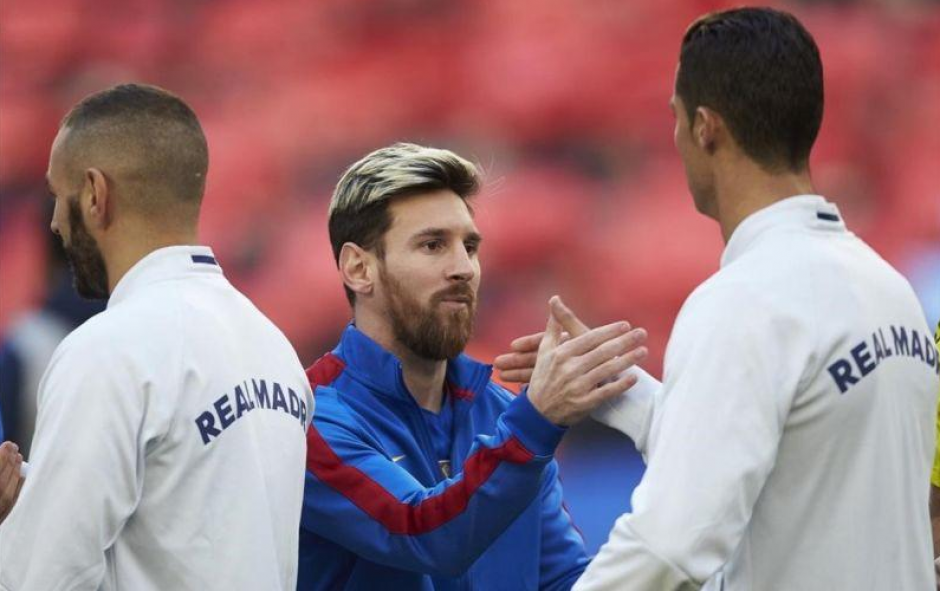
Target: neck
[
  {"x": 744, "y": 188},
  {"x": 423, "y": 377},
  {"x": 142, "y": 241}
]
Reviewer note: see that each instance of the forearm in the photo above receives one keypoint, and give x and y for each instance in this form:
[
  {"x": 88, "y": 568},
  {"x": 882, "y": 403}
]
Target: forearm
[
  {"x": 632, "y": 412},
  {"x": 83, "y": 482},
  {"x": 627, "y": 562},
  {"x": 379, "y": 511}
]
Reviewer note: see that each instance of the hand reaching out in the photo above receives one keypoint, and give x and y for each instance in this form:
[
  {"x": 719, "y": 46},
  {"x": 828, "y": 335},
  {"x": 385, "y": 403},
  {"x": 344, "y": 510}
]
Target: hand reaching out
[{"x": 570, "y": 375}]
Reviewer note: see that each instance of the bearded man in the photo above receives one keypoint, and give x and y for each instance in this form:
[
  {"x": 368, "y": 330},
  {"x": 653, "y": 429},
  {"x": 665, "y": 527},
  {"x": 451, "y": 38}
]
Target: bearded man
[
  {"x": 421, "y": 472},
  {"x": 169, "y": 441}
]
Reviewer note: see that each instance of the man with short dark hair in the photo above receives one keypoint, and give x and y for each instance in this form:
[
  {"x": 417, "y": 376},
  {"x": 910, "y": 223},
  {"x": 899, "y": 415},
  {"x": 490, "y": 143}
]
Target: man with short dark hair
[
  {"x": 790, "y": 443},
  {"x": 422, "y": 472},
  {"x": 169, "y": 444}
]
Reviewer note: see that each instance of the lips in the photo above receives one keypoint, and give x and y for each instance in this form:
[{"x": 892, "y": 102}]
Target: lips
[
  {"x": 458, "y": 295},
  {"x": 458, "y": 300}
]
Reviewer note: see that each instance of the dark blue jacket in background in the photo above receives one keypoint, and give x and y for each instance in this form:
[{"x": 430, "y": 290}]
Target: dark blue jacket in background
[{"x": 377, "y": 512}]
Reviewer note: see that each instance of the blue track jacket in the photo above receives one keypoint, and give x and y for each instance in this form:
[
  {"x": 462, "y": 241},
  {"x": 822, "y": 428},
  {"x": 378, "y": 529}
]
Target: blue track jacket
[{"x": 378, "y": 513}]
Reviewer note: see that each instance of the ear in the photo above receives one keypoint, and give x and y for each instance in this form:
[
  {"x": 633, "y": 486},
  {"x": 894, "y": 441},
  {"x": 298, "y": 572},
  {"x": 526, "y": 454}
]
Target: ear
[
  {"x": 358, "y": 268},
  {"x": 706, "y": 128},
  {"x": 100, "y": 208}
]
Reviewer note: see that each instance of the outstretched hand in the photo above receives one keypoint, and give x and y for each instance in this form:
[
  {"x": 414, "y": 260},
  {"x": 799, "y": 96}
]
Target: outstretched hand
[
  {"x": 516, "y": 366},
  {"x": 572, "y": 369}
]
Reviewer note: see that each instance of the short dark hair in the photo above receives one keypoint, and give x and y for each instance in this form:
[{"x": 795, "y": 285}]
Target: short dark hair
[
  {"x": 359, "y": 208},
  {"x": 760, "y": 70},
  {"x": 153, "y": 131}
]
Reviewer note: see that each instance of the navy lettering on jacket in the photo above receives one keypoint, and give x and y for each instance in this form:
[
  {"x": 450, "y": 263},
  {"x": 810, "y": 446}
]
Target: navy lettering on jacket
[
  {"x": 229, "y": 408},
  {"x": 865, "y": 356}
]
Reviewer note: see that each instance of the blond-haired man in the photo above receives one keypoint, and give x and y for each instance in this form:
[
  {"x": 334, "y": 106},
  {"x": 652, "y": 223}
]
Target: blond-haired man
[{"x": 422, "y": 472}]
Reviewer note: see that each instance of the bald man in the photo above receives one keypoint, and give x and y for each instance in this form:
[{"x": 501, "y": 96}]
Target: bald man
[{"x": 169, "y": 449}]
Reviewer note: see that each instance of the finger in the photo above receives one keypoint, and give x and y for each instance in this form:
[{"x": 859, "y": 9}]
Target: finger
[
  {"x": 610, "y": 391},
  {"x": 7, "y": 502},
  {"x": 10, "y": 481},
  {"x": 593, "y": 338},
  {"x": 612, "y": 368},
  {"x": 612, "y": 348},
  {"x": 8, "y": 447},
  {"x": 567, "y": 318},
  {"x": 7, "y": 461},
  {"x": 515, "y": 361},
  {"x": 516, "y": 376},
  {"x": 527, "y": 343}
]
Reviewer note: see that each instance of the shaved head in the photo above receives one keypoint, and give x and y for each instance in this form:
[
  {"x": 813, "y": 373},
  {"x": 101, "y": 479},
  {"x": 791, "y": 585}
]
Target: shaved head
[{"x": 146, "y": 141}]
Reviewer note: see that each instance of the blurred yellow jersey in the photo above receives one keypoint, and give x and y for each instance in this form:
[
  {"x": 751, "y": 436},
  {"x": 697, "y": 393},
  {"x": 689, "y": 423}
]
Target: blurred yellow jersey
[{"x": 935, "y": 475}]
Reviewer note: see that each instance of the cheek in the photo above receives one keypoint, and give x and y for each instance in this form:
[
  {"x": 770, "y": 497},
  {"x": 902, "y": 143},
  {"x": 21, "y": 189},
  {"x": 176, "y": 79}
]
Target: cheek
[
  {"x": 686, "y": 153},
  {"x": 413, "y": 280},
  {"x": 682, "y": 140},
  {"x": 60, "y": 221}
]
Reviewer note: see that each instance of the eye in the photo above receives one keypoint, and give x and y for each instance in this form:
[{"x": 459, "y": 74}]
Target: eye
[
  {"x": 472, "y": 246},
  {"x": 434, "y": 245}
]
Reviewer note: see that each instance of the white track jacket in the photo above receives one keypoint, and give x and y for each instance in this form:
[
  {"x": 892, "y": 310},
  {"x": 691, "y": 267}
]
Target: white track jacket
[
  {"x": 170, "y": 444},
  {"x": 789, "y": 446}
]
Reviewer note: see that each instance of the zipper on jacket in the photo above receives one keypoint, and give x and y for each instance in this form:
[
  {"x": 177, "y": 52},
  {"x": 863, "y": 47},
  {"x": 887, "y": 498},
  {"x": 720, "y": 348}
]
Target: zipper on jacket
[{"x": 420, "y": 427}]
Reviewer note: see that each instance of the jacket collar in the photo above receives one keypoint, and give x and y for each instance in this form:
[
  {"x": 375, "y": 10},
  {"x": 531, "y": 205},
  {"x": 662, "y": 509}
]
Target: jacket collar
[
  {"x": 382, "y": 371},
  {"x": 801, "y": 211},
  {"x": 171, "y": 262}
]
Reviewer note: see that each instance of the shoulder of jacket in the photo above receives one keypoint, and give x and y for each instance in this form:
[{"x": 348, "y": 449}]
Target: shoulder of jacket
[{"x": 501, "y": 396}]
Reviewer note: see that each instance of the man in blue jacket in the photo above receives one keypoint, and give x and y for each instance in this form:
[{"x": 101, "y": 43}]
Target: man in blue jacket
[{"x": 421, "y": 472}]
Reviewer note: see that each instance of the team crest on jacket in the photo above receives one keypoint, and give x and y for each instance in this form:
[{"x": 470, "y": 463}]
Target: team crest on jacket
[{"x": 445, "y": 467}]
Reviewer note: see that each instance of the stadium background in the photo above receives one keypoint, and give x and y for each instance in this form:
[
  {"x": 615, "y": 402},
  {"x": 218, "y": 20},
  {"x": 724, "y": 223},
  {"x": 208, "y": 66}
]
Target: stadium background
[{"x": 564, "y": 103}]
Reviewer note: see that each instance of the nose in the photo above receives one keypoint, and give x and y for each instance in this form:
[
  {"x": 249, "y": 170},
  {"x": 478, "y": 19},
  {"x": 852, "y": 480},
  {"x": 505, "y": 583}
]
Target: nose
[
  {"x": 462, "y": 267},
  {"x": 53, "y": 224}
]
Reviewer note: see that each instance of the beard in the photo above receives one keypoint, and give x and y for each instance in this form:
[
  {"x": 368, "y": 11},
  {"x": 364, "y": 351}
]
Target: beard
[
  {"x": 88, "y": 269},
  {"x": 428, "y": 330}
]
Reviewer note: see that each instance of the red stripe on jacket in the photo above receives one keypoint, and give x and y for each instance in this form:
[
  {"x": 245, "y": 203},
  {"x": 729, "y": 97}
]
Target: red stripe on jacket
[
  {"x": 384, "y": 507},
  {"x": 381, "y": 505},
  {"x": 324, "y": 370}
]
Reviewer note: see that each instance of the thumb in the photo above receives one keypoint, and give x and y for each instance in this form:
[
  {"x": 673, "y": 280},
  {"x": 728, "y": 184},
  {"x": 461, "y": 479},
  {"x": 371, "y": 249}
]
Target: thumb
[
  {"x": 566, "y": 318},
  {"x": 553, "y": 330}
]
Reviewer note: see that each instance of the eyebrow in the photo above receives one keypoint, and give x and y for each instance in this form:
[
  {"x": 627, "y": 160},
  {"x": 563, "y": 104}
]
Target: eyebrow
[{"x": 442, "y": 233}]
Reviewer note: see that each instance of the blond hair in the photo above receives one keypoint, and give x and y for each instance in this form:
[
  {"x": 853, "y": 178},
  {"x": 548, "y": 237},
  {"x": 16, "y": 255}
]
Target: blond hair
[{"x": 400, "y": 169}]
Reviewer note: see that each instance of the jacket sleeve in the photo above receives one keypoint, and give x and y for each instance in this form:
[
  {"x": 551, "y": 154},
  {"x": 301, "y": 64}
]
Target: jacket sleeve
[
  {"x": 563, "y": 556},
  {"x": 632, "y": 412},
  {"x": 732, "y": 368},
  {"x": 85, "y": 475},
  {"x": 359, "y": 498}
]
